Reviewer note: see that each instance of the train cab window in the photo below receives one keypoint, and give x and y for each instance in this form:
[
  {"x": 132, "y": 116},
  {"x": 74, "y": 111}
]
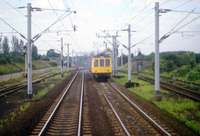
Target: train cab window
[
  {"x": 101, "y": 62},
  {"x": 107, "y": 63},
  {"x": 96, "y": 63}
]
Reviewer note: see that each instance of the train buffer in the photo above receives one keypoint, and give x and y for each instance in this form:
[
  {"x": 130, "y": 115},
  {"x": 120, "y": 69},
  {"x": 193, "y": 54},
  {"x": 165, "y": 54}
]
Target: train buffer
[{"x": 118, "y": 76}]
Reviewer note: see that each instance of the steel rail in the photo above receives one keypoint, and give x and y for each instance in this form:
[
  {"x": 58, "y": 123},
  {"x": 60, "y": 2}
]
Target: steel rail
[
  {"x": 81, "y": 106},
  {"x": 14, "y": 88},
  {"x": 172, "y": 88},
  {"x": 142, "y": 112},
  {"x": 120, "y": 121},
  {"x": 58, "y": 104},
  {"x": 3, "y": 89}
]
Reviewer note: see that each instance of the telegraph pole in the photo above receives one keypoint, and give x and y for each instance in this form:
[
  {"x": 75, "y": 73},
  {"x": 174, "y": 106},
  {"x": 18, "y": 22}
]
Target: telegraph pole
[
  {"x": 68, "y": 58},
  {"x": 29, "y": 9},
  {"x": 157, "y": 69},
  {"x": 129, "y": 53},
  {"x": 61, "y": 57},
  {"x": 129, "y": 84},
  {"x": 26, "y": 62},
  {"x": 114, "y": 53},
  {"x": 157, "y": 97}
]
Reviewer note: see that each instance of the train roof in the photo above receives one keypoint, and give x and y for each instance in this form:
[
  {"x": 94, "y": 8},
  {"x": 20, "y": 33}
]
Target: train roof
[{"x": 101, "y": 55}]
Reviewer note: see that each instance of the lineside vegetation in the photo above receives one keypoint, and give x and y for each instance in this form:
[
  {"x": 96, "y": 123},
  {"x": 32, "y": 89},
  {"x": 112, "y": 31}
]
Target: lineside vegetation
[{"x": 186, "y": 110}]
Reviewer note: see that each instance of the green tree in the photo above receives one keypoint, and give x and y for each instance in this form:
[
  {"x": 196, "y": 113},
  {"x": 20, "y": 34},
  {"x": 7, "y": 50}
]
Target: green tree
[
  {"x": 125, "y": 59},
  {"x": 0, "y": 45},
  {"x": 52, "y": 53},
  {"x": 15, "y": 45},
  {"x": 22, "y": 46},
  {"x": 140, "y": 54},
  {"x": 34, "y": 52},
  {"x": 132, "y": 56},
  {"x": 5, "y": 46},
  {"x": 192, "y": 59},
  {"x": 163, "y": 64}
]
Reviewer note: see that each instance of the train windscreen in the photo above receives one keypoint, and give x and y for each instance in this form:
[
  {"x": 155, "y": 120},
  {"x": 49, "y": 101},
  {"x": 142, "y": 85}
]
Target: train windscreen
[
  {"x": 96, "y": 63},
  {"x": 107, "y": 63},
  {"x": 101, "y": 62}
]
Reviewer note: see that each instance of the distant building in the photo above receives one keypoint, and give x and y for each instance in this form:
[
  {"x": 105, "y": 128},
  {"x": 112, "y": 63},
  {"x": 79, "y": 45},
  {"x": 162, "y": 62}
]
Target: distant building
[
  {"x": 140, "y": 65},
  {"x": 107, "y": 52}
]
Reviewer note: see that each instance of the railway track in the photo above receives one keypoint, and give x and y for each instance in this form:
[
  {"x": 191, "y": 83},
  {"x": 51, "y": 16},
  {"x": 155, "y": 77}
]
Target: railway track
[
  {"x": 128, "y": 118},
  {"x": 71, "y": 112},
  {"x": 177, "y": 89},
  {"x": 171, "y": 80},
  {"x": 176, "y": 80},
  {"x": 191, "y": 94},
  {"x": 67, "y": 116},
  {"x": 5, "y": 91},
  {"x": 117, "y": 126}
]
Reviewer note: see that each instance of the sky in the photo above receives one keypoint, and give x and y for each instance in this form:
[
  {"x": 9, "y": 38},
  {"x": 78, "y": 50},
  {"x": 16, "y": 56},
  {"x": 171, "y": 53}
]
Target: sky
[{"x": 104, "y": 17}]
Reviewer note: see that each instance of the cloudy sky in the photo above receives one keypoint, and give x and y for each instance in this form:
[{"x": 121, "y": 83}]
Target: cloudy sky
[{"x": 105, "y": 16}]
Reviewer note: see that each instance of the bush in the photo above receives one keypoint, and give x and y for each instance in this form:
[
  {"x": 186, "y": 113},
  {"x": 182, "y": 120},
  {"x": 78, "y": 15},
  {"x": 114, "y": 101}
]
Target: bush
[
  {"x": 53, "y": 64},
  {"x": 9, "y": 68},
  {"x": 45, "y": 58},
  {"x": 33, "y": 66},
  {"x": 7, "y": 57},
  {"x": 3, "y": 61},
  {"x": 193, "y": 76},
  {"x": 183, "y": 70},
  {"x": 19, "y": 59}
]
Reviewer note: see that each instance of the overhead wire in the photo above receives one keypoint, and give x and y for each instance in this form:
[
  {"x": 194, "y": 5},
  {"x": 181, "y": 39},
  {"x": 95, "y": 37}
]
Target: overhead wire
[
  {"x": 56, "y": 14},
  {"x": 119, "y": 14},
  {"x": 19, "y": 11},
  {"x": 61, "y": 21},
  {"x": 13, "y": 29},
  {"x": 66, "y": 7},
  {"x": 51, "y": 46},
  {"x": 187, "y": 23},
  {"x": 164, "y": 2},
  {"x": 181, "y": 38},
  {"x": 73, "y": 26},
  {"x": 14, "y": 8},
  {"x": 140, "y": 12},
  {"x": 151, "y": 11},
  {"x": 172, "y": 31},
  {"x": 181, "y": 21},
  {"x": 21, "y": 14},
  {"x": 58, "y": 20},
  {"x": 142, "y": 18},
  {"x": 183, "y": 4}
]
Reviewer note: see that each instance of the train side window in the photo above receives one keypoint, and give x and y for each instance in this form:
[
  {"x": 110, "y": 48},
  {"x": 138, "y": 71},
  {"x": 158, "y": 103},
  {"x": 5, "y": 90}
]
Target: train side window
[
  {"x": 107, "y": 63},
  {"x": 96, "y": 63},
  {"x": 101, "y": 63}
]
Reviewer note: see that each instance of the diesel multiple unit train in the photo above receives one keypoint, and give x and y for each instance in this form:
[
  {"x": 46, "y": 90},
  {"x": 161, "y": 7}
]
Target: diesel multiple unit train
[{"x": 101, "y": 67}]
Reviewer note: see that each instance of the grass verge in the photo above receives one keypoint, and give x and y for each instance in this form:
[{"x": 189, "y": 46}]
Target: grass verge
[
  {"x": 186, "y": 110},
  {"x": 14, "y": 114},
  {"x": 40, "y": 93}
]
